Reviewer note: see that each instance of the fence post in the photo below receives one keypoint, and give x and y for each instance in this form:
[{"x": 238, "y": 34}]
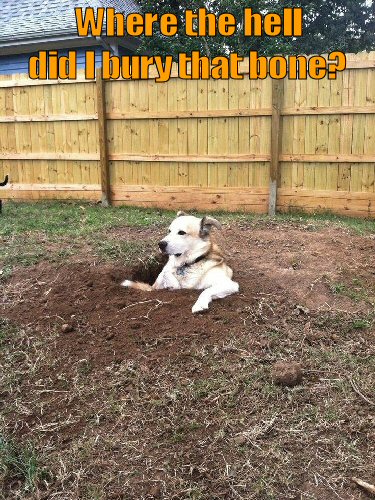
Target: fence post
[
  {"x": 277, "y": 95},
  {"x": 103, "y": 147}
]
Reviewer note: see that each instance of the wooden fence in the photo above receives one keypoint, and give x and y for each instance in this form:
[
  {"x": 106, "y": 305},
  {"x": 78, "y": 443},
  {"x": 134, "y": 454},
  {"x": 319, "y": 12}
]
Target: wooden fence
[{"x": 252, "y": 145}]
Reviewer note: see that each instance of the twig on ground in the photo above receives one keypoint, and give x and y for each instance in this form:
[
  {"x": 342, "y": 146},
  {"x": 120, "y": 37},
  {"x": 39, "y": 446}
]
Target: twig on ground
[
  {"x": 236, "y": 492},
  {"x": 370, "y": 488},
  {"x": 51, "y": 390},
  {"x": 329, "y": 486},
  {"x": 157, "y": 305},
  {"x": 355, "y": 388},
  {"x": 137, "y": 304}
]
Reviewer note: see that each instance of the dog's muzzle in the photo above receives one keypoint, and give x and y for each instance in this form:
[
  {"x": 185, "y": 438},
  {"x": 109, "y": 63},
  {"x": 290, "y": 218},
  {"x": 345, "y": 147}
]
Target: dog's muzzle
[{"x": 163, "y": 245}]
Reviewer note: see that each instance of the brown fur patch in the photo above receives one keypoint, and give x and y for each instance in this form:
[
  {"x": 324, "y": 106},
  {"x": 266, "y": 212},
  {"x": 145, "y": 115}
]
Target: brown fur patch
[
  {"x": 137, "y": 285},
  {"x": 215, "y": 253}
]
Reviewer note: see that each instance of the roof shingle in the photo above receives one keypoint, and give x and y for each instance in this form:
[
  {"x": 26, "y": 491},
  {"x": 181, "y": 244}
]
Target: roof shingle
[{"x": 31, "y": 19}]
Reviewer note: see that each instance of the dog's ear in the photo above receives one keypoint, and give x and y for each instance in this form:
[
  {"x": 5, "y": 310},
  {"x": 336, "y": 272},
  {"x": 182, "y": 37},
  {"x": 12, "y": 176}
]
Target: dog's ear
[
  {"x": 180, "y": 213},
  {"x": 207, "y": 223}
]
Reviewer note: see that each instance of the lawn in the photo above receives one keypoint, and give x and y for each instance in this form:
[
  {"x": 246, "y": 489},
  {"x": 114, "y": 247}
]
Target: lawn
[{"x": 109, "y": 393}]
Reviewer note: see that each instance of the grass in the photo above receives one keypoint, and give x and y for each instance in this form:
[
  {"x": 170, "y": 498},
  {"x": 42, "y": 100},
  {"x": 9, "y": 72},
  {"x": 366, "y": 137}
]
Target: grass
[
  {"x": 355, "y": 289},
  {"x": 7, "y": 331},
  {"x": 21, "y": 464},
  {"x": 52, "y": 231},
  {"x": 19, "y": 461},
  {"x": 361, "y": 324},
  {"x": 126, "y": 251},
  {"x": 195, "y": 424},
  {"x": 73, "y": 219},
  {"x": 321, "y": 219}
]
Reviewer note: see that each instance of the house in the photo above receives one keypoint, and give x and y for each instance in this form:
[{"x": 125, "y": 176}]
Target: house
[{"x": 28, "y": 26}]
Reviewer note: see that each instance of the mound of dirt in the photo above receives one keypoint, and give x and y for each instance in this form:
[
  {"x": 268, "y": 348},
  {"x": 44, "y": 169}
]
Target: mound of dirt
[
  {"x": 97, "y": 319},
  {"x": 106, "y": 321}
]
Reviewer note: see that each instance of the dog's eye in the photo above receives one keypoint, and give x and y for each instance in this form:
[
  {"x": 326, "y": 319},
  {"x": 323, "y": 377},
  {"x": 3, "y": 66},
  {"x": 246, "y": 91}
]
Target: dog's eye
[{"x": 181, "y": 233}]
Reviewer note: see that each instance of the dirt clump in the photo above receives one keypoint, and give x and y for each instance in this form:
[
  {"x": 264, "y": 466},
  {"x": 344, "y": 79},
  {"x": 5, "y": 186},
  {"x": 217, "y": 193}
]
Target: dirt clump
[
  {"x": 287, "y": 374},
  {"x": 67, "y": 328}
]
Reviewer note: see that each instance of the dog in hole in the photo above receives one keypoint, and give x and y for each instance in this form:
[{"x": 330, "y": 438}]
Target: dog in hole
[{"x": 194, "y": 262}]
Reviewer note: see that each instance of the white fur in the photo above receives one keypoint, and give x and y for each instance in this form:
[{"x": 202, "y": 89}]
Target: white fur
[{"x": 218, "y": 291}]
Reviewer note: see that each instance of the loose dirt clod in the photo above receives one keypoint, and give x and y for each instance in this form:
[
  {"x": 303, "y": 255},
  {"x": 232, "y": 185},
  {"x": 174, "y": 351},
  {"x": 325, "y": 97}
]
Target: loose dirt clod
[
  {"x": 286, "y": 374},
  {"x": 66, "y": 328},
  {"x": 301, "y": 310}
]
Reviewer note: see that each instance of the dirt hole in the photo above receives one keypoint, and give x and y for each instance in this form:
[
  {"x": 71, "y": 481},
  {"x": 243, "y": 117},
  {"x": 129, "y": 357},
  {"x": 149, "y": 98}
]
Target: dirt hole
[{"x": 147, "y": 271}]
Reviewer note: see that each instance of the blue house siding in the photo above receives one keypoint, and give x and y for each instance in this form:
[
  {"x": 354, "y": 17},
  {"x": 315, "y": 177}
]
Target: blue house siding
[
  {"x": 19, "y": 63},
  {"x": 13, "y": 64}
]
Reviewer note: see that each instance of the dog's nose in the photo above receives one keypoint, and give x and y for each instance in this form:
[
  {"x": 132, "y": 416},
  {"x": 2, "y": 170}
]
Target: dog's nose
[{"x": 163, "y": 245}]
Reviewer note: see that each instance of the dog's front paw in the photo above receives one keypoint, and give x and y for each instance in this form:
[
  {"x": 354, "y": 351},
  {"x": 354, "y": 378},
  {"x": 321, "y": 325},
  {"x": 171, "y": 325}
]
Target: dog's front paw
[
  {"x": 199, "y": 307},
  {"x": 127, "y": 283}
]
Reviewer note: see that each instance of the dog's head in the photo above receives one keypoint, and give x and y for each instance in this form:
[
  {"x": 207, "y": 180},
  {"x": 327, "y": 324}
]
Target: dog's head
[{"x": 188, "y": 235}]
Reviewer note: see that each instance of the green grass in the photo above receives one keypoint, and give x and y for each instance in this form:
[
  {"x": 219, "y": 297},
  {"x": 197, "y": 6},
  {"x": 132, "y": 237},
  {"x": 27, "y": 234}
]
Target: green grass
[
  {"x": 75, "y": 218},
  {"x": 355, "y": 290},
  {"x": 321, "y": 219},
  {"x": 5, "y": 273},
  {"x": 339, "y": 322},
  {"x": 337, "y": 288},
  {"x": 7, "y": 330},
  {"x": 360, "y": 324},
  {"x": 50, "y": 231},
  {"x": 20, "y": 463}
]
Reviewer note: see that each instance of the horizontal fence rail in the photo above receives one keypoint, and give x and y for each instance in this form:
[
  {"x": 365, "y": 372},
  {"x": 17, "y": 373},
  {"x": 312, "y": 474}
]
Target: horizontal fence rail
[
  {"x": 218, "y": 113},
  {"x": 253, "y": 145}
]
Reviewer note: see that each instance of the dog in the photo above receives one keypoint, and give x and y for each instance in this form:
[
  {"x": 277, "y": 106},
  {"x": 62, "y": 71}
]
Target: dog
[{"x": 194, "y": 262}]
